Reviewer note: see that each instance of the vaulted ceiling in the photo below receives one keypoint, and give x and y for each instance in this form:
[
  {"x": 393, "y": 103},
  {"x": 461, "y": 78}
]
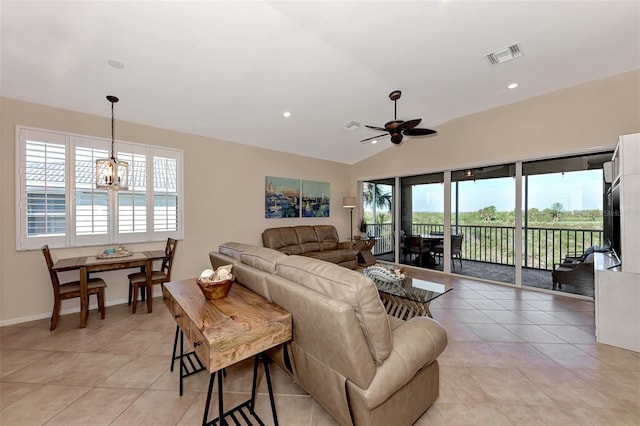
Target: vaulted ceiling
[{"x": 229, "y": 69}]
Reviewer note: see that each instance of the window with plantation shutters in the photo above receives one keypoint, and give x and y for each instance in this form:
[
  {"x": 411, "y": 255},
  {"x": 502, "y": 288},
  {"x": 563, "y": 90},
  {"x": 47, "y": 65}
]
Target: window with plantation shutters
[
  {"x": 132, "y": 203},
  {"x": 42, "y": 195},
  {"x": 58, "y": 204},
  {"x": 91, "y": 204},
  {"x": 165, "y": 194}
]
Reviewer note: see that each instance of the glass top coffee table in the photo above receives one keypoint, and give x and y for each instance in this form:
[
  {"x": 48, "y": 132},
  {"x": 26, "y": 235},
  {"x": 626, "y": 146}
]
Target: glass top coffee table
[{"x": 403, "y": 295}]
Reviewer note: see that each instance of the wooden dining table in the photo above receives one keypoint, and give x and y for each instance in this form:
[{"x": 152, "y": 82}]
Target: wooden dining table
[{"x": 89, "y": 264}]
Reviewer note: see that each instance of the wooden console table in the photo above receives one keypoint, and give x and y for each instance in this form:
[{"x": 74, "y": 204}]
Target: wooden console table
[{"x": 226, "y": 331}]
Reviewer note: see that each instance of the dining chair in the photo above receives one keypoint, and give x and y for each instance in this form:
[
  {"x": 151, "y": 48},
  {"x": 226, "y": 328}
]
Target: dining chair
[
  {"x": 414, "y": 244},
  {"x": 139, "y": 279},
  {"x": 456, "y": 249},
  {"x": 71, "y": 290}
]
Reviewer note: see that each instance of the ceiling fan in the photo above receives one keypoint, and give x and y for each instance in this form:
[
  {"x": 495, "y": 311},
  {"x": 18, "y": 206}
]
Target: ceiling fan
[{"x": 398, "y": 128}]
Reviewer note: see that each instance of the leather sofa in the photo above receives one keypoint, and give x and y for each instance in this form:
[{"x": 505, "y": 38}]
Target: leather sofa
[
  {"x": 361, "y": 365},
  {"x": 319, "y": 242}
]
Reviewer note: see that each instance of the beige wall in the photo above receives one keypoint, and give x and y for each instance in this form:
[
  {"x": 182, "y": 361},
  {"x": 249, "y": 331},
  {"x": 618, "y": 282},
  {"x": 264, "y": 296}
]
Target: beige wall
[
  {"x": 224, "y": 201},
  {"x": 584, "y": 118}
]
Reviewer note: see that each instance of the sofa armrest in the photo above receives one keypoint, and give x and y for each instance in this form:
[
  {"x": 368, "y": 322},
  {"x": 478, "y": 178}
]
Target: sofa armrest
[
  {"x": 416, "y": 344},
  {"x": 347, "y": 245}
]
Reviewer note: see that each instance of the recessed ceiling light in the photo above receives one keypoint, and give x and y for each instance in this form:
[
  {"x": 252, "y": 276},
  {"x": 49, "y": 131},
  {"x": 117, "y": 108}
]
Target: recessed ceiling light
[
  {"x": 512, "y": 86},
  {"x": 116, "y": 64},
  {"x": 286, "y": 114},
  {"x": 374, "y": 141}
]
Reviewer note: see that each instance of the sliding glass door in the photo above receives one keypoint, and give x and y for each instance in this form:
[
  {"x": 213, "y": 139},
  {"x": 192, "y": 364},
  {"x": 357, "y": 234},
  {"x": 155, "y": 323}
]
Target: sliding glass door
[{"x": 483, "y": 216}]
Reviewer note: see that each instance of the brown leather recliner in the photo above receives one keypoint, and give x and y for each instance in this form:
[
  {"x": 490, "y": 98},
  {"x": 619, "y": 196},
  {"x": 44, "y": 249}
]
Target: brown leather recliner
[{"x": 319, "y": 242}]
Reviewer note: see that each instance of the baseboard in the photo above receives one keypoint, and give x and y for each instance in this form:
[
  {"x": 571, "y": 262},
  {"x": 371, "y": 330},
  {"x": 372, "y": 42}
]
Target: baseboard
[{"x": 20, "y": 320}]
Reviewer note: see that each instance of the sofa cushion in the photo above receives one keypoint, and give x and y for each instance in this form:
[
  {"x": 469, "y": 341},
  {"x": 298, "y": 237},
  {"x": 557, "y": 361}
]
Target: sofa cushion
[
  {"x": 307, "y": 239},
  {"x": 262, "y": 258},
  {"x": 333, "y": 256},
  {"x": 327, "y": 237},
  {"x": 283, "y": 239},
  {"x": 347, "y": 286},
  {"x": 234, "y": 250}
]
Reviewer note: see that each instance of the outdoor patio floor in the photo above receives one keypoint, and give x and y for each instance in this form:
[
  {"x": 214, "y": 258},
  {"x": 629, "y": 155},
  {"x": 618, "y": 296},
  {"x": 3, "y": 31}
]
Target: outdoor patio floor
[{"x": 506, "y": 274}]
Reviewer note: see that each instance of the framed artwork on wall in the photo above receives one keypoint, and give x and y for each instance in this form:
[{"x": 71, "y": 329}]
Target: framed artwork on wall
[
  {"x": 315, "y": 198},
  {"x": 281, "y": 197}
]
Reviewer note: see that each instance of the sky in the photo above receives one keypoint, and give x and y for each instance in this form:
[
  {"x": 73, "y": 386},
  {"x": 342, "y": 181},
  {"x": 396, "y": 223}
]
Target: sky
[{"x": 574, "y": 190}]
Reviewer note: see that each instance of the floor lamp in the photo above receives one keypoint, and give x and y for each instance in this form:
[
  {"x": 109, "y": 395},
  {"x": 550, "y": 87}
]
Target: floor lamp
[{"x": 349, "y": 203}]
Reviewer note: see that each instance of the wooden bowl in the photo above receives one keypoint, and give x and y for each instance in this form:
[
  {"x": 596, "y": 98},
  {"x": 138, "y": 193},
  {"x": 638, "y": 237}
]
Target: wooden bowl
[{"x": 214, "y": 291}]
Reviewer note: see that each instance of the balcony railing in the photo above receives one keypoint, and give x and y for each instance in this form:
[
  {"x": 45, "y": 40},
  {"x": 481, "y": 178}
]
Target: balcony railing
[{"x": 542, "y": 247}]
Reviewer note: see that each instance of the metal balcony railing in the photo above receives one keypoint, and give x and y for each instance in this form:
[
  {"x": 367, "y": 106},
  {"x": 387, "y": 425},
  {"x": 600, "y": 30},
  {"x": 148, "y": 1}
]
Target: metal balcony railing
[{"x": 542, "y": 247}]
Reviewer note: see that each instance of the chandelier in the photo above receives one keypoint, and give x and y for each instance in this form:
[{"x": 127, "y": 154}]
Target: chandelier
[{"x": 111, "y": 173}]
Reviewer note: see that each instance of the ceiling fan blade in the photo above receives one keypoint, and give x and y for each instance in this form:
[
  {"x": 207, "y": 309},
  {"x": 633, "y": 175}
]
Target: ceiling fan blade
[
  {"x": 410, "y": 124},
  {"x": 373, "y": 137},
  {"x": 380, "y": 129},
  {"x": 419, "y": 132}
]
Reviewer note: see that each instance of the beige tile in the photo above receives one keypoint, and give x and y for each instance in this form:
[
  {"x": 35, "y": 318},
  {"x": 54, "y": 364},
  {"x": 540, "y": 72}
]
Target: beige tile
[
  {"x": 458, "y": 386},
  {"x": 432, "y": 417},
  {"x": 476, "y": 354},
  {"x": 532, "y": 333},
  {"x": 22, "y": 337},
  {"x": 157, "y": 408},
  {"x": 570, "y": 333},
  {"x": 70, "y": 368},
  {"x": 13, "y": 360},
  {"x": 569, "y": 356},
  {"x": 139, "y": 373},
  {"x": 505, "y": 317},
  {"x": 319, "y": 416},
  {"x": 567, "y": 388},
  {"x": 40, "y": 405},
  {"x": 140, "y": 342},
  {"x": 99, "y": 406},
  {"x": 616, "y": 357},
  {"x": 494, "y": 333},
  {"x": 508, "y": 386},
  {"x": 471, "y": 316},
  {"x": 539, "y": 415},
  {"x": 471, "y": 414},
  {"x": 622, "y": 386},
  {"x": 540, "y": 318},
  {"x": 520, "y": 354},
  {"x": 606, "y": 417},
  {"x": 12, "y": 392}
]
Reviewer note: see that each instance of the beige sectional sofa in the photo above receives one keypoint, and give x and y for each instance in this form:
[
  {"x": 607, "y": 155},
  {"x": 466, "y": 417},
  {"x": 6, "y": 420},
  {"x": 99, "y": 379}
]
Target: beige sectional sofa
[
  {"x": 319, "y": 241},
  {"x": 363, "y": 366}
]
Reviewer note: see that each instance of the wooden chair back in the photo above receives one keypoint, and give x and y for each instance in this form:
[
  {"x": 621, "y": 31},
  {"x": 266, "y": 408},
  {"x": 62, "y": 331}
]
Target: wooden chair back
[
  {"x": 167, "y": 262},
  {"x": 53, "y": 274}
]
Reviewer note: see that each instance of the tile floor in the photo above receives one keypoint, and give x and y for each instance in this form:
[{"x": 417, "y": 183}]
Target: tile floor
[{"x": 515, "y": 357}]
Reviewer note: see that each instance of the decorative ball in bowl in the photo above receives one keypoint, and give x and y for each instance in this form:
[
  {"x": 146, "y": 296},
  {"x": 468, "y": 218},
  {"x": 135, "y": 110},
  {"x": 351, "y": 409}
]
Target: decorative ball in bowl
[{"x": 214, "y": 290}]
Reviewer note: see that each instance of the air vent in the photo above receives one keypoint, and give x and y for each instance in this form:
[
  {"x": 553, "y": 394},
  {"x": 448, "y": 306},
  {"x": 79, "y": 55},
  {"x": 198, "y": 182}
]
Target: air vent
[
  {"x": 351, "y": 126},
  {"x": 505, "y": 54}
]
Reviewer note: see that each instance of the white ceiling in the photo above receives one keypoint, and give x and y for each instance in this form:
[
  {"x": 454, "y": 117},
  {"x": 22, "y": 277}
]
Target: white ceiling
[{"x": 228, "y": 69}]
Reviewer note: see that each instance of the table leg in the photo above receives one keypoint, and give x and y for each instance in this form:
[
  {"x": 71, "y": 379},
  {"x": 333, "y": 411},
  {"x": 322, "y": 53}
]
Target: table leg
[
  {"x": 84, "y": 302},
  {"x": 149, "y": 290}
]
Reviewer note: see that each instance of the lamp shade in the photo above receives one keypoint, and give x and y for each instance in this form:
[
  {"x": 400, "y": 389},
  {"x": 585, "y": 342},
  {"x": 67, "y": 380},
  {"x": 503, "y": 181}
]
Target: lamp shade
[{"x": 348, "y": 202}]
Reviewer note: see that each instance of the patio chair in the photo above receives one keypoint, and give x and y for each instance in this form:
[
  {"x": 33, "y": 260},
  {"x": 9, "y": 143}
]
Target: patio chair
[
  {"x": 574, "y": 273},
  {"x": 456, "y": 249},
  {"x": 414, "y": 244}
]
